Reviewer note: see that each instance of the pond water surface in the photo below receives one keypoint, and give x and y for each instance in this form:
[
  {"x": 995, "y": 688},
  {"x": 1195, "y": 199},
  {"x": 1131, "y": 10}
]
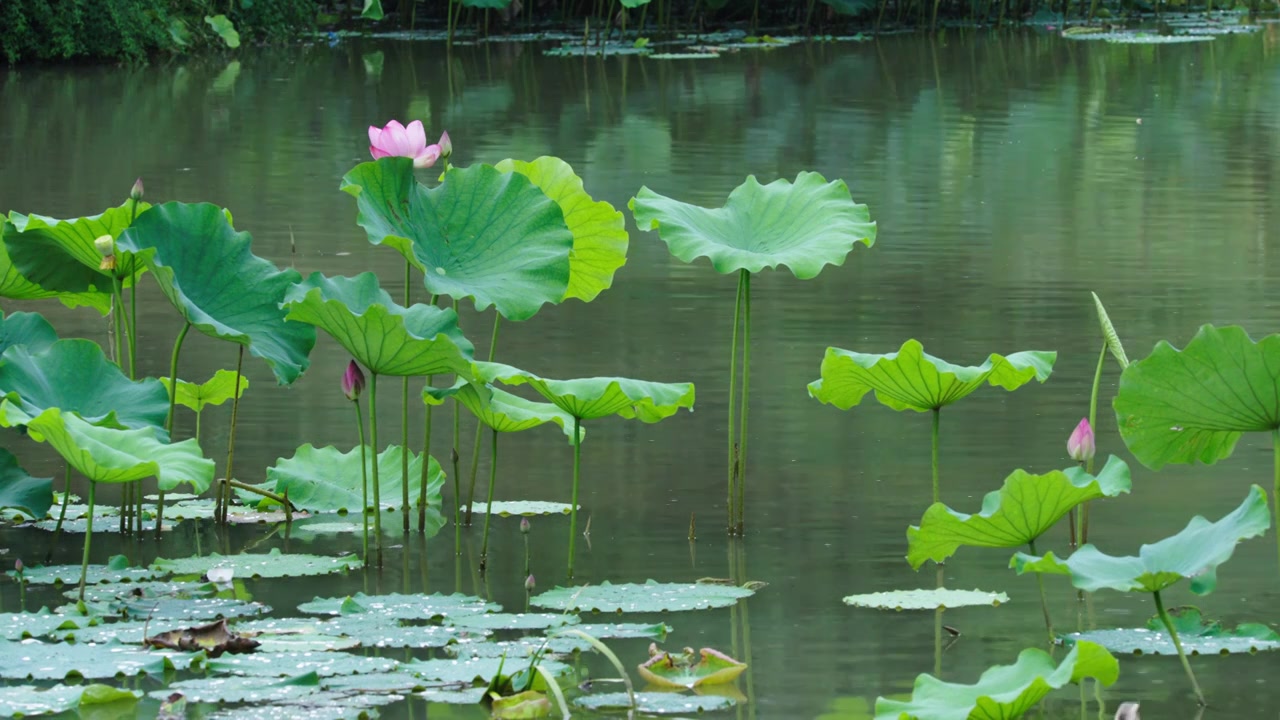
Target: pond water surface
[{"x": 1010, "y": 174}]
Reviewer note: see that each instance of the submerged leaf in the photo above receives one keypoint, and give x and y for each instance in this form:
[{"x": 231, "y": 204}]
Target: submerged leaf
[
  {"x": 1016, "y": 514},
  {"x": 804, "y": 225},
  {"x": 329, "y": 480},
  {"x": 911, "y": 379},
  {"x": 273, "y": 564},
  {"x": 650, "y": 596},
  {"x": 1197, "y": 636},
  {"x": 711, "y": 667},
  {"x": 1195, "y": 554},
  {"x": 1180, "y": 406},
  {"x": 926, "y": 599},
  {"x": 1004, "y": 691}
]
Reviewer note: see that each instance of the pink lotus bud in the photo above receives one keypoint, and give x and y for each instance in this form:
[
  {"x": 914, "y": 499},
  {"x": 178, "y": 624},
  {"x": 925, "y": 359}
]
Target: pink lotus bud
[
  {"x": 136, "y": 193},
  {"x": 529, "y": 584},
  {"x": 17, "y": 566},
  {"x": 446, "y": 145},
  {"x": 524, "y": 525},
  {"x": 352, "y": 381},
  {"x": 396, "y": 140},
  {"x": 1080, "y": 444}
]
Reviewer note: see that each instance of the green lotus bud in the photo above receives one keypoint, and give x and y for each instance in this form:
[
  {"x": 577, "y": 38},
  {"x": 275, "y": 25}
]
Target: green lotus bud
[{"x": 136, "y": 193}]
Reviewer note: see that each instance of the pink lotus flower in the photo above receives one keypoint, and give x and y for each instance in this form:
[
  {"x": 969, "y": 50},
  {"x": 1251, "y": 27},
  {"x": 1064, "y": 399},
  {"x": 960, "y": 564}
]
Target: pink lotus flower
[
  {"x": 396, "y": 140},
  {"x": 1080, "y": 444},
  {"x": 352, "y": 381}
]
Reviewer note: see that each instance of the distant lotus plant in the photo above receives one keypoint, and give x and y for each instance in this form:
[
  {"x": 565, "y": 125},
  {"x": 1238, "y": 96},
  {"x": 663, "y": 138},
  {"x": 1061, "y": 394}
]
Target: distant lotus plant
[{"x": 805, "y": 225}]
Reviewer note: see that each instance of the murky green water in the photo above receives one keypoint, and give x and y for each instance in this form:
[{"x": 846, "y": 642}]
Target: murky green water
[{"x": 1010, "y": 174}]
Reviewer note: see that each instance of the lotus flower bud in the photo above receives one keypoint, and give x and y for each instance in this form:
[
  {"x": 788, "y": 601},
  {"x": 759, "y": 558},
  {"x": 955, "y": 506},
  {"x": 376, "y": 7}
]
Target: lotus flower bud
[
  {"x": 17, "y": 566},
  {"x": 446, "y": 145},
  {"x": 530, "y": 584},
  {"x": 352, "y": 381},
  {"x": 524, "y": 526},
  {"x": 1080, "y": 444},
  {"x": 136, "y": 193},
  {"x": 106, "y": 247}
]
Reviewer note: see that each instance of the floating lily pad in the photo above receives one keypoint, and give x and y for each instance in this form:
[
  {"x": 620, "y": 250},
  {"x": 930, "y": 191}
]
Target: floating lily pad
[
  {"x": 18, "y": 626},
  {"x": 685, "y": 56},
  {"x": 708, "y": 667},
  {"x": 1198, "y": 637},
  {"x": 926, "y": 599},
  {"x": 468, "y": 696},
  {"x": 188, "y": 608},
  {"x": 382, "y": 631},
  {"x": 323, "y": 705},
  {"x": 1004, "y": 691},
  {"x": 28, "y": 700},
  {"x": 80, "y": 526},
  {"x": 117, "y": 570},
  {"x": 392, "y": 682},
  {"x": 147, "y": 589},
  {"x": 526, "y": 508},
  {"x": 323, "y": 664},
  {"x": 514, "y": 621},
  {"x": 519, "y": 651},
  {"x": 471, "y": 669},
  {"x": 124, "y": 632},
  {"x": 603, "y": 631},
  {"x": 401, "y": 607},
  {"x": 241, "y": 689},
  {"x": 650, "y": 596},
  {"x": 1137, "y": 38},
  {"x": 595, "y": 49},
  {"x": 44, "y": 661},
  {"x": 271, "y": 565},
  {"x": 655, "y": 703}
]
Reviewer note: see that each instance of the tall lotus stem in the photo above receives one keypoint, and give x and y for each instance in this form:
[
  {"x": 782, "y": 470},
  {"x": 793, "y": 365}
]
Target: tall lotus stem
[
  {"x": 573, "y": 506},
  {"x": 168, "y": 423},
  {"x": 377, "y": 496},
  {"x": 66, "y": 498},
  {"x": 88, "y": 536},
  {"x": 937, "y": 418},
  {"x": 1093, "y": 417},
  {"x": 426, "y": 465},
  {"x": 746, "y": 389},
  {"x": 493, "y": 478},
  {"x": 1177, "y": 645},
  {"x": 457, "y": 482},
  {"x": 231, "y": 441},
  {"x": 364, "y": 480},
  {"x": 475, "y": 443},
  {"x": 524, "y": 535},
  {"x": 1044, "y": 601},
  {"x": 733, "y": 377},
  {"x": 404, "y": 410}
]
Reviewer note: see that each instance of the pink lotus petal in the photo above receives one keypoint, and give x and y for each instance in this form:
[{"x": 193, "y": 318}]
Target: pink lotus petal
[{"x": 427, "y": 156}]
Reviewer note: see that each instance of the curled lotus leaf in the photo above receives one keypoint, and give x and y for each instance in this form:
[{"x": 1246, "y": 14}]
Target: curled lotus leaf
[
  {"x": 483, "y": 234},
  {"x": 599, "y": 231},
  {"x": 117, "y": 570},
  {"x": 219, "y": 286},
  {"x": 55, "y": 661},
  {"x": 60, "y": 256},
  {"x": 273, "y": 564},
  {"x": 655, "y": 703},
  {"x": 926, "y": 599},
  {"x": 911, "y": 379},
  {"x": 1189, "y": 405},
  {"x": 500, "y": 410},
  {"x": 29, "y": 700},
  {"x": 1194, "y": 553},
  {"x": 1197, "y": 636},
  {"x": 19, "y": 491},
  {"x": 1016, "y": 514},
  {"x": 24, "y": 328},
  {"x": 688, "y": 670},
  {"x": 214, "y": 391},
  {"x": 804, "y": 225},
  {"x": 1004, "y": 691},
  {"x": 384, "y": 337},
  {"x": 401, "y": 607},
  {"x": 650, "y": 596},
  {"x": 213, "y": 639},
  {"x": 597, "y": 397}
]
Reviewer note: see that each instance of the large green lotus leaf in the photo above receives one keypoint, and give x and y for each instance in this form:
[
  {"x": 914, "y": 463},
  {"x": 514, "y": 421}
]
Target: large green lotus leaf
[
  {"x": 514, "y": 621},
  {"x": 520, "y": 650},
  {"x": 1004, "y": 691},
  {"x": 469, "y": 670},
  {"x": 499, "y": 409},
  {"x": 75, "y": 376},
  {"x": 599, "y": 231},
  {"x": 14, "y": 285},
  {"x": 60, "y": 256},
  {"x": 804, "y": 225},
  {"x": 393, "y": 682},
  {"x": 1195, "y": 554},
  {"x": 481, "y": 234},
  {"x": 324, "y": 664},
  {"x": 1016, "y": 514},
  {"x": 1197, "y": 635},
  {"x": 602, "y": 631},
  {"x": 911, "y": 379},
  {"x": 655, "y": 703},
  {"x": 208, "y": 272},
  {"x": 19, "y": 626},
  {"x": 525, "y": 508},
  {"x": 273, "y": 564},
  {"x": 650, "y": 596},
  {"x": 926, "y": 599},
  {"x": 323, "y": 705},
  {"x": 24, "y": 328},
  {"x": 1180, "y": 406},
  {"x": 381, "y": 335},
  {"x": 28, "y": 700},
  {"x": 117, "y": 570},
  {"x": 55, "y": 661},
  {"x": 597, "y": 397},
  {"x": 329, "y": 480},
  {"x": 400, "y": 607},
  {"x": 19, "y": 491},
  {"x": 212, "y": 392},
  {"x": 108, "y": 455},
  {"x": 241, "y": 689},
  {"x": 680, "y": 671},
  {"x": 369, "y": 630}
]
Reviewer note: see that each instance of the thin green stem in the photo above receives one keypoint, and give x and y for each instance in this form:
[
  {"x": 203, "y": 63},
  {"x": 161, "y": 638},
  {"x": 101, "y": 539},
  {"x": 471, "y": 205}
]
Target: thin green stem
[
  {"x": 475, "y": 443},
  {"x": 133, "y": 326},
  {"x": 746, "y": 390},
  {"x": 231, "y": 440},
  {"x": 88, "y": 536},
  {"x": 117, "y": 310},
  {"x": 1177, "y": 645},
  {"x": 488, "y": 512},
  {"x": 1083, "y": 534},
  {"x": 426, "y": 465},
  {"x": 457, "y": 484},
  {"x": 404, "y": 419},
  {"x": 937, "y": 416},
  {"x": 66, "y": 499},
  {"x": 168, "y": 422},
  {"x": 733, "y": 377},
  {"x": 377, "y": 495},
  {"x": 573, "y": 507},
  {"x": 1044, "y": 600},
  {"x": 364, "y": 479},
  {"x": 198, "y": 414}
]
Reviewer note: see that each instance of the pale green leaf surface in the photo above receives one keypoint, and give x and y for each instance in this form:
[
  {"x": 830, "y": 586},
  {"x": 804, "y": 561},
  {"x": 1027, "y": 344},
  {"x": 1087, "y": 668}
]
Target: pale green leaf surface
[
  {"x": 329, "y": 480},
  {"x": 597, "y": 397},
  {"x": 499, "y": 409},
  {"x": 26, "y": 328},
  {"x": 60, "y": 255},
  {"x": 32, "y": 496},
  {"x": 212, "y": 392}
]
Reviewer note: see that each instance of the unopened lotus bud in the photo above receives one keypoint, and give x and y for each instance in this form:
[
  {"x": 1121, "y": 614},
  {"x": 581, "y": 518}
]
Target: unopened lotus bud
[
  {"x": 352, "y": 381},
  {"x": 17, "y": 566},
  {"x": 1080, "y": 445},
  {"x": 136, "y": 193},
  {"x": 524, "y": 525},
  {"x": 530, "y": 584},
  {"x": 446, "y": 145}
]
